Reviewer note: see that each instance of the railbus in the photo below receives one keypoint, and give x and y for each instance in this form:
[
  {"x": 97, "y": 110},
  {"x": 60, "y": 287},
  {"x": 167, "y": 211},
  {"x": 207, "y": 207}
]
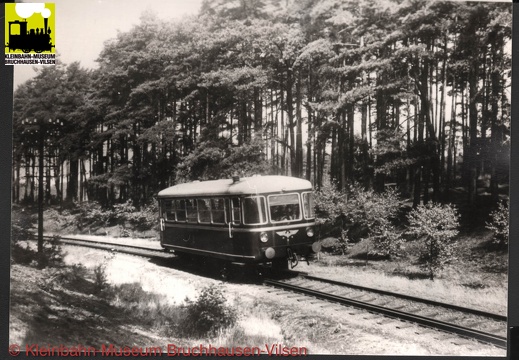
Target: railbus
[{"x": 267, "y": 220}]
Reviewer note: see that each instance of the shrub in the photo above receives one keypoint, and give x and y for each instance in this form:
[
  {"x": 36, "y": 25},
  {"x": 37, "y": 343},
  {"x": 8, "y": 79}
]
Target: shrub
[
  {"x": 371, "y": 210},
  {"x": 361, "y": 214},
  {"x": 329, "y": 203},
  {"x": 209, "y": 313},
  {"x": 375, "y": 213},
  {"x": 72, "y": 277},
  {"x": 499, "y": 224},
  {"x": 341, "y": 246},
  {"x": 387, "y": 241},
  {"x": 52, "y": 253},
  {"x": 56, "y": 219},
  {"x": 92, "y": 214},
  {"x": 120, "y": 211},
  {"x": 21, "y": 224},
  {"x": 146, "y": 218},
  {"x": 22, "y": 254},
  {"x": 100, "y": 278},
  {"x": 436, "y": 226},
  {"x": 150, "y": 309}
]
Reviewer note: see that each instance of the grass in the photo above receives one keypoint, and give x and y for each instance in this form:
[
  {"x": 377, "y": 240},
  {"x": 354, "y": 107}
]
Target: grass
[{"x": 476, "y": 277}]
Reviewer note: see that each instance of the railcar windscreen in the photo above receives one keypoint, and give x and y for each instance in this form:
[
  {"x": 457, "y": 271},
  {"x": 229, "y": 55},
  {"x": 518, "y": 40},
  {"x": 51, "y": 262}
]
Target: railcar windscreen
[
  {"x": 284, "y": 207},
  {"x": 308, "y": 205}
]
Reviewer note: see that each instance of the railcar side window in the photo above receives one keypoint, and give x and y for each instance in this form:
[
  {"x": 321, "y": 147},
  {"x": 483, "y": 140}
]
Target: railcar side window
[
  {"x": 191, "y": 211},
  {"x": 308, "y": 205},
  {"x": 254, "y": 210},
  {"x": 284, "y": 207},
  {"x": 218, "y": 211},
  {"x": 235, "y": 211},
  {"x": 180, "y": 210},
  {"x": 204, "y": 210},
  {"x": 168, "y": 210}
]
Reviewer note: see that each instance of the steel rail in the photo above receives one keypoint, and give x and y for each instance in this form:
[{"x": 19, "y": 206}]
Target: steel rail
[
  {"x": 94, "y": 244},
  {"x": 496, "y": 340},
  {"x": 411, "y": 298}
]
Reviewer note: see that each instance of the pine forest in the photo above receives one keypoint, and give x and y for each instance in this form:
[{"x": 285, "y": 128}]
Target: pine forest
[{"x": 407, "y": 95}]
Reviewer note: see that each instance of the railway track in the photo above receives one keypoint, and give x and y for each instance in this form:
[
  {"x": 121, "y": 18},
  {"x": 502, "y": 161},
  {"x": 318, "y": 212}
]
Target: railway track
[
  {"x": 469, "y": 323},
  {"x": 475, "y": 324},
  {"x": 114, "y": 247}
]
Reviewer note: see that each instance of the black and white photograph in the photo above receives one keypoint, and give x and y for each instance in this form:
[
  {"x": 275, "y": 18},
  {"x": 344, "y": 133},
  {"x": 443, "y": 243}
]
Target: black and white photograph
[{"x": 261, "y": 177}]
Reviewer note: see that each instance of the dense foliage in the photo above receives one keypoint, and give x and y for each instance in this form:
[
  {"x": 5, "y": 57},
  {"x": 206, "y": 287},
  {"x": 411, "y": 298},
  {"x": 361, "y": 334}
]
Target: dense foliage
[
  {"x": 361, "y": 214},
  {"x": 413, "y": 93}
]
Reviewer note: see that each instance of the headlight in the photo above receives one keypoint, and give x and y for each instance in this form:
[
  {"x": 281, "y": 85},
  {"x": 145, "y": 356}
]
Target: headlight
[
  {"x": 270, "y": 253},
  {"x": 309, "y": 232},
  {"x": 264, "y": 237}
]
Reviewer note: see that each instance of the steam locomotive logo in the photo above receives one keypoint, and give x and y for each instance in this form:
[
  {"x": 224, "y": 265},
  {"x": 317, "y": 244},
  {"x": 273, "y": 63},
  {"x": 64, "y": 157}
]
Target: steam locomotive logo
[{"x": 29, "y": 27}]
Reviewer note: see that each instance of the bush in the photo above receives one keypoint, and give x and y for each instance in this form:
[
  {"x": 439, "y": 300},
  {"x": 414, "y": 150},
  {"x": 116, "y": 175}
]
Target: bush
[
  {"x": 21, "y": 224},
  {"x": 436, "y": 226},
  {"x": 22, "y": 254},
  {"x": 209, "y": 313},
  {"x": 146, "y": 218},
  {"x": 206, "y": 316},
  {"x": 70, "y": 275},
  {"x": 361, "y": 214},
  {"x": 52, "y": 254},
  {"x": 100, "y": 278},
  {"x": 93, "y": 215},
  {"x": 499, "y": 224},
  {"x": 329, "y": 203},
  {"x": 58, "y": 218},
  {"x": 375, "y": 213},
  {"x": 387, "y": 241},
  {"x": 341, "y": 246}
]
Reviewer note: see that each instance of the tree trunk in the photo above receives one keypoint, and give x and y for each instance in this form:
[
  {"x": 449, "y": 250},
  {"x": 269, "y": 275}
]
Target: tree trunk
[
  {"x": 299, "y": 129},
  {"x": 473, "y": 132},
  {"x": 72, "y": 186}
]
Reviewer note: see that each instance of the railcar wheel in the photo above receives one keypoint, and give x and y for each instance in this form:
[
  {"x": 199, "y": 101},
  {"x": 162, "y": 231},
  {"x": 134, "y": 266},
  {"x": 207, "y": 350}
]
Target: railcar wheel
[{"x": 26, "y": 50}]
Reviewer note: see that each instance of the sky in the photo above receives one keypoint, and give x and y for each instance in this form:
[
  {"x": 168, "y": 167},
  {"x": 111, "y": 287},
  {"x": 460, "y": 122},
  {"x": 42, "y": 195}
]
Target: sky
[{"x": 83, "y": 26}]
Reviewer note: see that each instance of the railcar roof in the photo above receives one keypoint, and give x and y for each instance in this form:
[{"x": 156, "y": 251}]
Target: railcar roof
[{"x": 245, "y": 185}]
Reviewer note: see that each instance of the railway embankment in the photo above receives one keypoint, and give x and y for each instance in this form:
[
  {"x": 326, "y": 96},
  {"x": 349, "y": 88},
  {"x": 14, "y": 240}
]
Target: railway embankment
[
  {"x": 101, "y": 298},
  {"x": 72, "y": 304}
]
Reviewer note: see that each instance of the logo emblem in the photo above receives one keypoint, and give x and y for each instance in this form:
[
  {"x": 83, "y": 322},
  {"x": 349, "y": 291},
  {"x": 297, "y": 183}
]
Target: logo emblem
[
  {"x": 29, "y": 34},
  {"x": 287, "y": 234}
]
